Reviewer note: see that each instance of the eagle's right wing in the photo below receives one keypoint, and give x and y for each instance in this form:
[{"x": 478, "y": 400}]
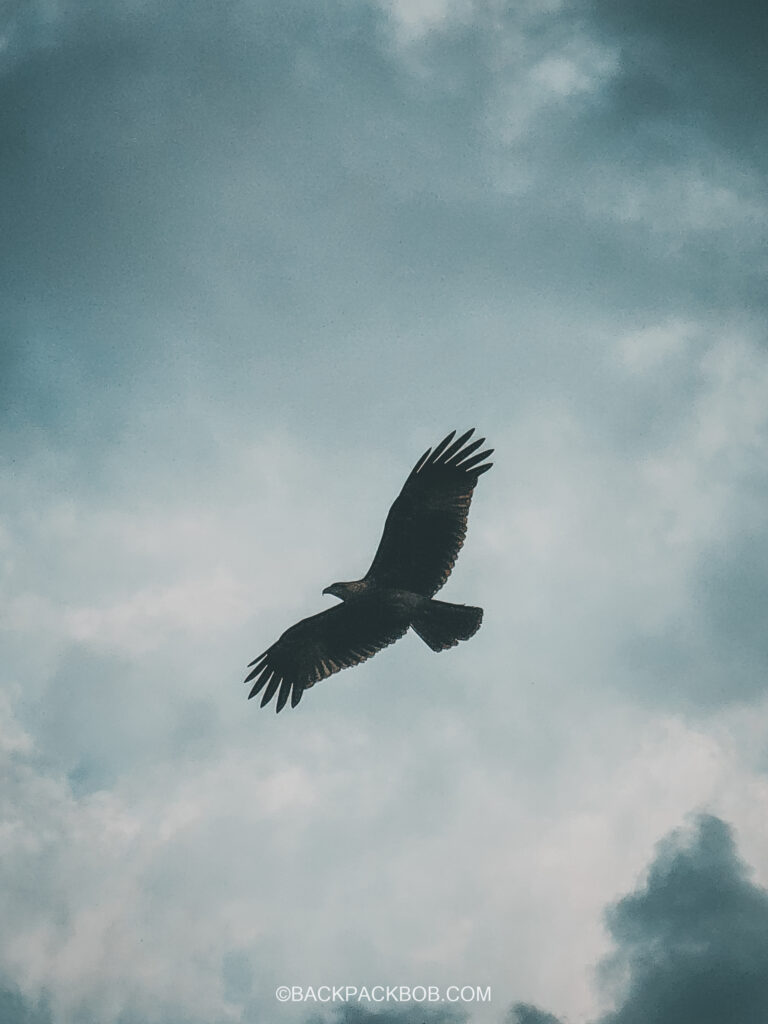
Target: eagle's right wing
[
  {"x": 320, "y": 645},
  {"x": 427, "y": 523}
]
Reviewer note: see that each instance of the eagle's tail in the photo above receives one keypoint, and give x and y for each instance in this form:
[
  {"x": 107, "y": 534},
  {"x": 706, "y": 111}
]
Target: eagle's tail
[{"x": 442, "y": 625}]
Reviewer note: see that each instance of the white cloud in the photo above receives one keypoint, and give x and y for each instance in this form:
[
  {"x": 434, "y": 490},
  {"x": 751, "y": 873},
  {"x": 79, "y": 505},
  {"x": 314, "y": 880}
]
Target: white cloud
[
  {"x": 682, "y": 200},
  {"x": 648, "y": 348},
  {"x": 417, "y": 820},
  {"x": 536, "y": 72},
  {"x": 416, "y": 18},
  {"x": 142, "y": 890}
]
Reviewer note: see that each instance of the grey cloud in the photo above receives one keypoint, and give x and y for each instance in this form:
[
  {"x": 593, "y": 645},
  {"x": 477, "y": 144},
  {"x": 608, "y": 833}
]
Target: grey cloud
[
  {"x": 525, "y": 1013},
  {"x": 693, "y": 942},
  {"x": 691, "y": 947},
  {"x": 195, "y": 204},
  {"x": 693, "y": 65},
  {"x": 88, "y": 690},
  {"x": 188, "y": 238},
  {"x": 732, "y": 591},
  {"x": 14, "y": 1009},
  {"x": 413, "y": 1014},
  {"x": 251, "y": 253},
  {"x": 715, "y": 650}
]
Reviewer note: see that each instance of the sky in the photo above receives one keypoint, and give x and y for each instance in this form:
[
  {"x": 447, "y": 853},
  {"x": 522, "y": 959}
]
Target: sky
[{"x": 257, "y": 257}]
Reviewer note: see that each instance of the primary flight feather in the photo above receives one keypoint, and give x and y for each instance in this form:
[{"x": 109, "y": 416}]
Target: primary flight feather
[{"x": 422, "y": 538}]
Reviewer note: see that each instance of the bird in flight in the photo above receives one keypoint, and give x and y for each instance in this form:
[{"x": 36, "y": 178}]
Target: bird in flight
[{"x": 422, "y": 538}]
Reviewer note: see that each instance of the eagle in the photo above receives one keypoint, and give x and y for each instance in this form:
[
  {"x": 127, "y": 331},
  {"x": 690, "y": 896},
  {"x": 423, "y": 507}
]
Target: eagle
[{"x": 423, "y": 534}]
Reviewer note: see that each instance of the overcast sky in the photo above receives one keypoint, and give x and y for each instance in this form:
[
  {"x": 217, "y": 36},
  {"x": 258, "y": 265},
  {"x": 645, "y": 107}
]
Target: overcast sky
[{"x": 255, "y": 257}]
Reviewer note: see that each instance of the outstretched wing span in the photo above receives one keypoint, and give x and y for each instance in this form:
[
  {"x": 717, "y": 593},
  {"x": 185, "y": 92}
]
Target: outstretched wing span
[
  {"x": 320, "y": 645},
  {"x": 427, "y": 523}
]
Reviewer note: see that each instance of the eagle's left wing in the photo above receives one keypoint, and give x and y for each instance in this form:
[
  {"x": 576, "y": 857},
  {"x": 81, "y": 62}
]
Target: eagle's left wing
[
  {"x": 318, "y": 646},
  {"x": 427, "y": 523}
]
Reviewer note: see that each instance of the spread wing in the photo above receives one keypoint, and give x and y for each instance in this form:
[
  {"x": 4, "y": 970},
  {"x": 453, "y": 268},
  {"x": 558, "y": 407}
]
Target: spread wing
[
  {"x": 427, "y": 523},
  {"x": 320, "y": 645}
]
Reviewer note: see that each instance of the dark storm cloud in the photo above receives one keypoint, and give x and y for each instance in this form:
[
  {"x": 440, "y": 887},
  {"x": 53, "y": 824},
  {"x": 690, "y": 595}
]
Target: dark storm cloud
[
  {"x": 685, "y": 113},
  {"x": 240, "y": 178},
  {"x": 693, "y": 942},
  {"x": 414, "y": 1014},
  {"x": 198, "y": 199},
  {"x": 115, "y": 134},
  {"x": 525, "y": 1013},
  {"x": 692, "y": 64}
]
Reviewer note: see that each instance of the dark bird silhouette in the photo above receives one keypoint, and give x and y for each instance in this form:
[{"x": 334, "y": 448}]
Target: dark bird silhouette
[{"x": 423, "y": 534}]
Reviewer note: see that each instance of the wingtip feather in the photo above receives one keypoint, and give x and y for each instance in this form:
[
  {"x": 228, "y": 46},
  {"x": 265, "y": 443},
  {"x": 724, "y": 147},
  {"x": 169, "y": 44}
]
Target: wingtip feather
[
  {"x": 469, "y": 465},
  {"x": 419, "y": 465},
  {"x": 449, "y": 452},
  {"x": 282, "y": 697},
  {"x": 254, "y": 672},
  {"x": 457, "y": 459},
  {"x": 438, "y": 451},
  {"x": 269, "y": 693},
  {"x": 260, "y": 683}
]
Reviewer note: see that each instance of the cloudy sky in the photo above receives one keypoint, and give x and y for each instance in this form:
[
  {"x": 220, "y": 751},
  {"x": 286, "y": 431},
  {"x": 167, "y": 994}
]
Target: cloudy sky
[{"x": 256, "y": 256}]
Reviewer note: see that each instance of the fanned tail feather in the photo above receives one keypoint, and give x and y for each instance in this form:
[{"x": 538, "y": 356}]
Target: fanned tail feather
[{"x": 441, "y": 625}]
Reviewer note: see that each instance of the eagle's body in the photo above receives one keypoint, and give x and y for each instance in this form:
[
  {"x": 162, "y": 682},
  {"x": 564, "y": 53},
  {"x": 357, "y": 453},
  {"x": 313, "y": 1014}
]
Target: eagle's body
[{"x": 422, "y": 537}]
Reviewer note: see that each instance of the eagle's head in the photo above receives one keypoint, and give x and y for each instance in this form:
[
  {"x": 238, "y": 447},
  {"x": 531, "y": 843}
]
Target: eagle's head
[{"x": 345, "y": 590}]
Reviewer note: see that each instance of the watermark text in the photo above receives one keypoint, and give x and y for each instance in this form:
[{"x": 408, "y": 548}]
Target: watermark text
[{"x": 383, "y": 994}]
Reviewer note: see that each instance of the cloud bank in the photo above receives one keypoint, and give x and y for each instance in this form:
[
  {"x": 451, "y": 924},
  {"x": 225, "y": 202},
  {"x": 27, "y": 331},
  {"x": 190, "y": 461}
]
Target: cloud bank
[
  {"x": 256, "y": 258},
  {"x": 691, "y": 942}
]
